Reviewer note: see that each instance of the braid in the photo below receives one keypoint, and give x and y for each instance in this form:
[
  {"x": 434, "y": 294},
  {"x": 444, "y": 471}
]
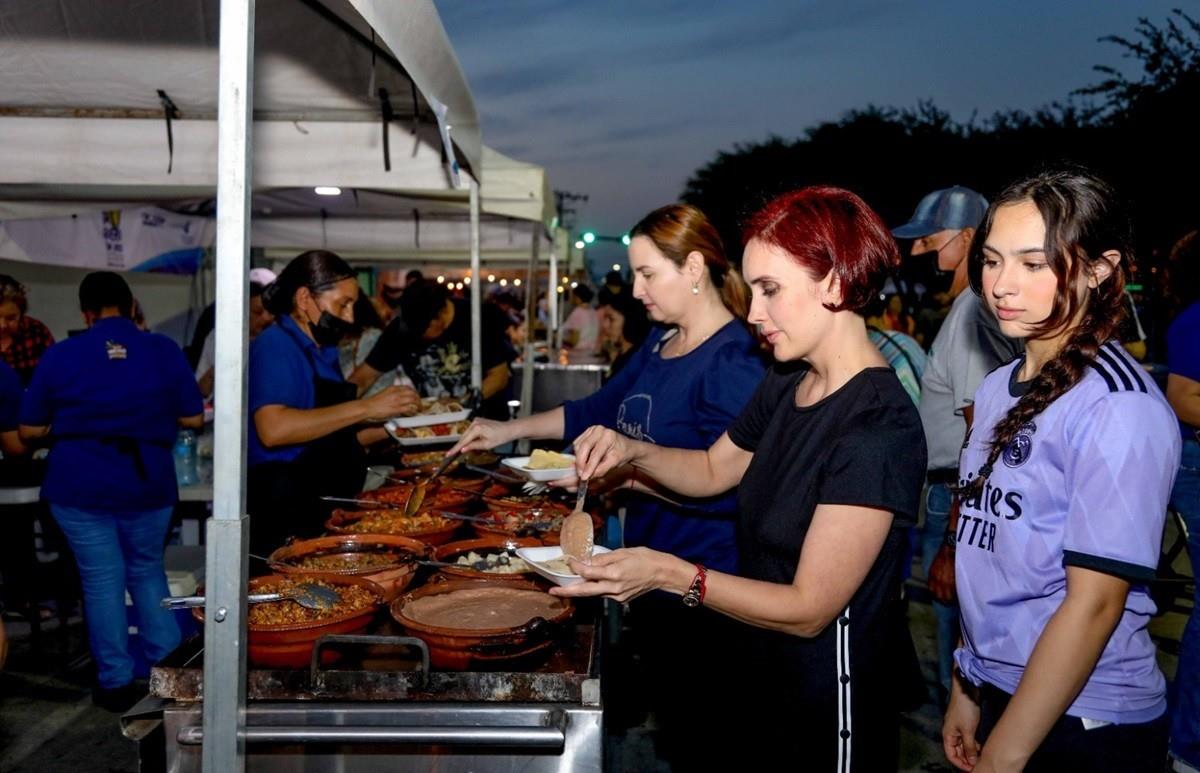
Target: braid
[{"x": 1099, "y": 324}]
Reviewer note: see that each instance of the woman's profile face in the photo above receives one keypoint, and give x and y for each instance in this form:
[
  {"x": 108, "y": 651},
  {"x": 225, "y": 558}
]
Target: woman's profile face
[
  {"x": 337, "y": 300},
  {"x": 1018, "y": 284},
  {"x": 787, "y": 304},
  {"x": 612, "y": 323},
  {"x": 657, "y": 282},
  {"x": 10, "y": 317}
]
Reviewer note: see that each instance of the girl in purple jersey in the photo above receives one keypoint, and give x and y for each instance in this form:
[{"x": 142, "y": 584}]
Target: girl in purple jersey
[{"x": 1064, "y": 484}]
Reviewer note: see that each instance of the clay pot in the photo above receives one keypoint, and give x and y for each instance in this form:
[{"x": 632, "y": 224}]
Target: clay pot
[
  {"x": 393, "y": 577},
  {"x": 490, "y": 543},
  {"x": 291, "y": 645},
  {"x": 458, "y": 649},
  {"x": 443, "y": 531}
]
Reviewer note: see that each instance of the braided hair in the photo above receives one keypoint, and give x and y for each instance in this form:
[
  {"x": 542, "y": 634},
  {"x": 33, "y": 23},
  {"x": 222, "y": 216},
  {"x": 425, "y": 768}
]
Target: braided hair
[{"x": 1084, "y": 220}]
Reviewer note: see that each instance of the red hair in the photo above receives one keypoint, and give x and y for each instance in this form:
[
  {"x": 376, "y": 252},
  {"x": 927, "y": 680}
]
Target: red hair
[{"x": 830, "y": 229}]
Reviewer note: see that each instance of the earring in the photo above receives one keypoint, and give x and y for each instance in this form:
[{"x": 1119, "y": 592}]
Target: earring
[{"x": 695, "y": 288}]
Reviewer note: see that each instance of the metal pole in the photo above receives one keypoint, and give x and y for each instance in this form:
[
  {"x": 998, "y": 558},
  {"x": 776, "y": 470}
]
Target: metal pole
[
  {"x": 476, "y": 292},
  {"x": 531, "y": 290},
  {"x": 552, "y": 295},
  {"x": 226, "y": 562}
]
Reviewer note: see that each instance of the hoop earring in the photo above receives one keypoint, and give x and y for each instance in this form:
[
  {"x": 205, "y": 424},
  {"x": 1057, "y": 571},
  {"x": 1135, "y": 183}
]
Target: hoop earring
[{"x": 695, "y": 288}]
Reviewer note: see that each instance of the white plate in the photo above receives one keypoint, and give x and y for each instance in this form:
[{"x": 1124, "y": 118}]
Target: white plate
[
  {"x": 433, "y": 440},
  {"x": 426, "y": 419},
  {"x": 534, "y": 557},
  {"x": 518, "y": 463}
]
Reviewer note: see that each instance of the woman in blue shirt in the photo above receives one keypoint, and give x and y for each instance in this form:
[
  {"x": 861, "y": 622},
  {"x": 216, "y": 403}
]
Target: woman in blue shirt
[
  {"x": 305, "y": 436},
  {"x": 683, "y": 387},
  {"x": 111, "y": 401}
]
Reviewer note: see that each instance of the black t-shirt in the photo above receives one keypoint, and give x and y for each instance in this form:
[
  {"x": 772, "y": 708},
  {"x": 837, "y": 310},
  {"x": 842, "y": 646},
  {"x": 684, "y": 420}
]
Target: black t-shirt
[
  {"x": 862, "y": 445},
  {"x": 442, "y": 367}
]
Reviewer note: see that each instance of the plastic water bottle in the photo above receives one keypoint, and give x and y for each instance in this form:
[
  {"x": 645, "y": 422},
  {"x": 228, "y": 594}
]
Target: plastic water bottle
[{"x": 185, "y": 458}]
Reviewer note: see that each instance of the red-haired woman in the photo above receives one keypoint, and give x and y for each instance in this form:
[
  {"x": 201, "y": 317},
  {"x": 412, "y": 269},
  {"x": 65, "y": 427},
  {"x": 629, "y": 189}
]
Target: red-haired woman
[
  {"x": 693, "y": 375},
  {"x": 828, "y": 458}
]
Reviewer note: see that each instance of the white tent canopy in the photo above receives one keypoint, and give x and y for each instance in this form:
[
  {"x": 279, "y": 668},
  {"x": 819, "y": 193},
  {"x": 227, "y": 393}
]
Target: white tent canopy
[{"x": 82, "y": 114}]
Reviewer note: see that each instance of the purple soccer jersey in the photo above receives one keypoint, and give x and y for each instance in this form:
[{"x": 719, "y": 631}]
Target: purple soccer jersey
[{"x": 1085, "y": 484}]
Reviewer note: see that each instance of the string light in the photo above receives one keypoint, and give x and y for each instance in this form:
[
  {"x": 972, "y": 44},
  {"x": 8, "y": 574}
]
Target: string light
[
  {"x": 441, "y": 279},
  {"x": 516, "y": 283}
]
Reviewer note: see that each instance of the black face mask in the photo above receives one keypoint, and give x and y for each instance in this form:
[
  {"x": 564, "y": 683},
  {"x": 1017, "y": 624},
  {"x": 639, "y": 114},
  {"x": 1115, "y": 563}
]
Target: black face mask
[
  {"x": 392, "y": 298},
  {"x": 328, "y": 329}
]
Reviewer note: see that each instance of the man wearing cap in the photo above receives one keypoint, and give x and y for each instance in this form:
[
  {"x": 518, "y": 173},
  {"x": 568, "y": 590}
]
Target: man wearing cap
[{"x": 968, "y": 347}]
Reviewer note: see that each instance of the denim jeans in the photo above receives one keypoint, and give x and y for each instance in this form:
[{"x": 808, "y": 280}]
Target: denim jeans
[
  {"x": 937, "y": 514},
  {"x": 115, "y": 551},
  {"x": 1185, "y": 719}
]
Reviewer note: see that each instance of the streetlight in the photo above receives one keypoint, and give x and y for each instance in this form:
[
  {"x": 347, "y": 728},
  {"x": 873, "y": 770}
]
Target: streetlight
[
  {"x": 589, "y": 237},
  {"x": 579, "y": 245},
  {"x": 625, "y": 239}
]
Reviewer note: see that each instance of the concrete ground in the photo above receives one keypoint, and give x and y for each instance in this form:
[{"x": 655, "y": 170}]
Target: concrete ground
[{"x": 48, "y": 723}]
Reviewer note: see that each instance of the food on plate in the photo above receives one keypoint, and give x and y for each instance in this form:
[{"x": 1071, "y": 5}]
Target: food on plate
[
  {"x": 483, "y": 608},
  {"x": 558, "y": 566},
  {"x": 424, "y": 458},
  {"x": 432, "y": 406},
  {"x": 549, "y": 460},
  {"x": 496, "y": 563},
  {"x": 351, "y": 598},
  {"x": 432, "y": 430}
]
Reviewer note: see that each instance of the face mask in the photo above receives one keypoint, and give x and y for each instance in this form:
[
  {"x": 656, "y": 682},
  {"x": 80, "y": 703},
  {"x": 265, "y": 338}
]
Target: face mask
[
  {"x": 329, "y": 330},
  {"x": 392, "y": 298}
]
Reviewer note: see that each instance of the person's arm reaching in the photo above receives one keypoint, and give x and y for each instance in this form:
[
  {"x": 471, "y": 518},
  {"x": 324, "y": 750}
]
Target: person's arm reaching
[
  {"x": 281, "y": 425},
  {"x": 693, "y": 473},
  {"x": 1184, "y": 396}
]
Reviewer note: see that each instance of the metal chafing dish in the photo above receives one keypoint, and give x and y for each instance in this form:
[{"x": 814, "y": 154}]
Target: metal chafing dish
[{"x": 381, "y": 708}]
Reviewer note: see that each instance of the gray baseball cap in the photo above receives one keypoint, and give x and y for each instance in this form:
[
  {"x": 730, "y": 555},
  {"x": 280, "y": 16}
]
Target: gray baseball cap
[{"x": 948, "y": 209}]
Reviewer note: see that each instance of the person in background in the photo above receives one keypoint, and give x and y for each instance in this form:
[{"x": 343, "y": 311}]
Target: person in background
[
  {"x": 902, "y": 352},
  {"x": 624, "y": 325},
  {"x": 1063, "y": 484},
  {"x": 1183, "y": 392},
  {"x": 682, "y": 387},
  {"x": 827, "y": 459},
  {"x": 258, "y": 320},
  {"x": 308, "y": 427},
  {"x": 968, "y": 345},
  {"x": 11, "y": 392},
  {"x": 110, "y": 402},
  {"x": 358, "y": 343},
  {"x": 430, "y": 340},
  {"x": 23, "y": 339},
  {"x": 581, "y": 330}
]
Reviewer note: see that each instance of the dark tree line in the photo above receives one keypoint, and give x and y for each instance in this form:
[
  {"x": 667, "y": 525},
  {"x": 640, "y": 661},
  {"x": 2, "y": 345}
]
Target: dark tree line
[{"x": 1138, "y": 131}]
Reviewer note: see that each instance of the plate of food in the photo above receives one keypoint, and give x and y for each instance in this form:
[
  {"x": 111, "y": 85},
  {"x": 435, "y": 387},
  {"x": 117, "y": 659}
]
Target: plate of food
[
  {"x": 446, "y": 432},
  {"x": 434, "y": 410},
  {"x": 549, "y": 562},
  {"x": 542, "y": 465}
]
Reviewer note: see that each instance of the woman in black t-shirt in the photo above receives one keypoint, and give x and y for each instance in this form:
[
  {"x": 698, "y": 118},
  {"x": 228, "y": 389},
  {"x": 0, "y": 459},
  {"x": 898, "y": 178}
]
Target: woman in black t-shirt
[{"x": 829, "y": 458}]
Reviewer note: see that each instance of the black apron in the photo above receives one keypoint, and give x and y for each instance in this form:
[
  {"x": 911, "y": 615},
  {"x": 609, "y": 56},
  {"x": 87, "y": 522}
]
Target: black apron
[{"x": 283, "y": 498}]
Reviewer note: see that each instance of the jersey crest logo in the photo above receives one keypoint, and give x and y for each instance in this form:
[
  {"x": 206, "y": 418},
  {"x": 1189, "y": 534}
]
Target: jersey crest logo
[
  {"x": 1019, "y": 449},
  {"x": 115, "y": 350}
]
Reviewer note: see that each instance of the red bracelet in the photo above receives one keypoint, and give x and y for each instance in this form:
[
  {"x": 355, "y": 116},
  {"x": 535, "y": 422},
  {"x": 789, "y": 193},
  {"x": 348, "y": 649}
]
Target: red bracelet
[{"x": 694, "y": 596}]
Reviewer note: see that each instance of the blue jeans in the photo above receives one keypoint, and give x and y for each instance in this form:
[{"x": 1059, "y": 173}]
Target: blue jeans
[
  {"x": 937, "y": 515},
  {"x": 116, "y": 551},
  {"x": 1185, "y": 719}
]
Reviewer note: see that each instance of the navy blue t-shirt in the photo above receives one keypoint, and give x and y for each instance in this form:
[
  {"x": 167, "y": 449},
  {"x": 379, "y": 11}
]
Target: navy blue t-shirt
[
  {"x": 282, "y": 362},
  {"x": 100, "y": 392},
  {"x": 682, "y": 402},
  {"x": 10, "y": 397}
]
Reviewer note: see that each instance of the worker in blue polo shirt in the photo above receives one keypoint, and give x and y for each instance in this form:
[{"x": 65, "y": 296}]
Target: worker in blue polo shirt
[
  {"x": 308, "y": 427},
  {"x": 110, "y": 401}
]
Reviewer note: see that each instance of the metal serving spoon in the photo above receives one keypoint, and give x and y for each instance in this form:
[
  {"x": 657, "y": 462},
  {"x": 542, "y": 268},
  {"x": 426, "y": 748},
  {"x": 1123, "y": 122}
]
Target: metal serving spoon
[{"x": 307, "y": 595}]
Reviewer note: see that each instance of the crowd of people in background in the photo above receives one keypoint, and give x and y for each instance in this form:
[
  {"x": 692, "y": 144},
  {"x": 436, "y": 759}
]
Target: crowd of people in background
[{"x": 822, "y": 422}]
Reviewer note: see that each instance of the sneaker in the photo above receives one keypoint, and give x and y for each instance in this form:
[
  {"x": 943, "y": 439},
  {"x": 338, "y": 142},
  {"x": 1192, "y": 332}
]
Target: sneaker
[{"x": 118, "y": 699}]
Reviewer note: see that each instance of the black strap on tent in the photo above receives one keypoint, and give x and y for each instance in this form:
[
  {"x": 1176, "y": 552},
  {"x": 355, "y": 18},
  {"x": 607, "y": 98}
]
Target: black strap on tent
[
  {"x": 385, "y": 107},
  {"x": 416, "y": 108},
  {"x": 416, "y": 228},
  {"x": 169, "y": 111}
]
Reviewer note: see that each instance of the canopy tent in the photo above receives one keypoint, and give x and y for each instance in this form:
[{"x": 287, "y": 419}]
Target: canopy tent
[
  {"x": 115, "y": 102},
  {"x": 87, "y": 86}
]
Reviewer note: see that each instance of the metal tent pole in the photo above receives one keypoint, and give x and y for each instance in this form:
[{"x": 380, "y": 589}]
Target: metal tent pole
[
  {"x": 531, "y": 291},
  {"x": 226, "y": 562},
  {"x": 476, "y": 292}
]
